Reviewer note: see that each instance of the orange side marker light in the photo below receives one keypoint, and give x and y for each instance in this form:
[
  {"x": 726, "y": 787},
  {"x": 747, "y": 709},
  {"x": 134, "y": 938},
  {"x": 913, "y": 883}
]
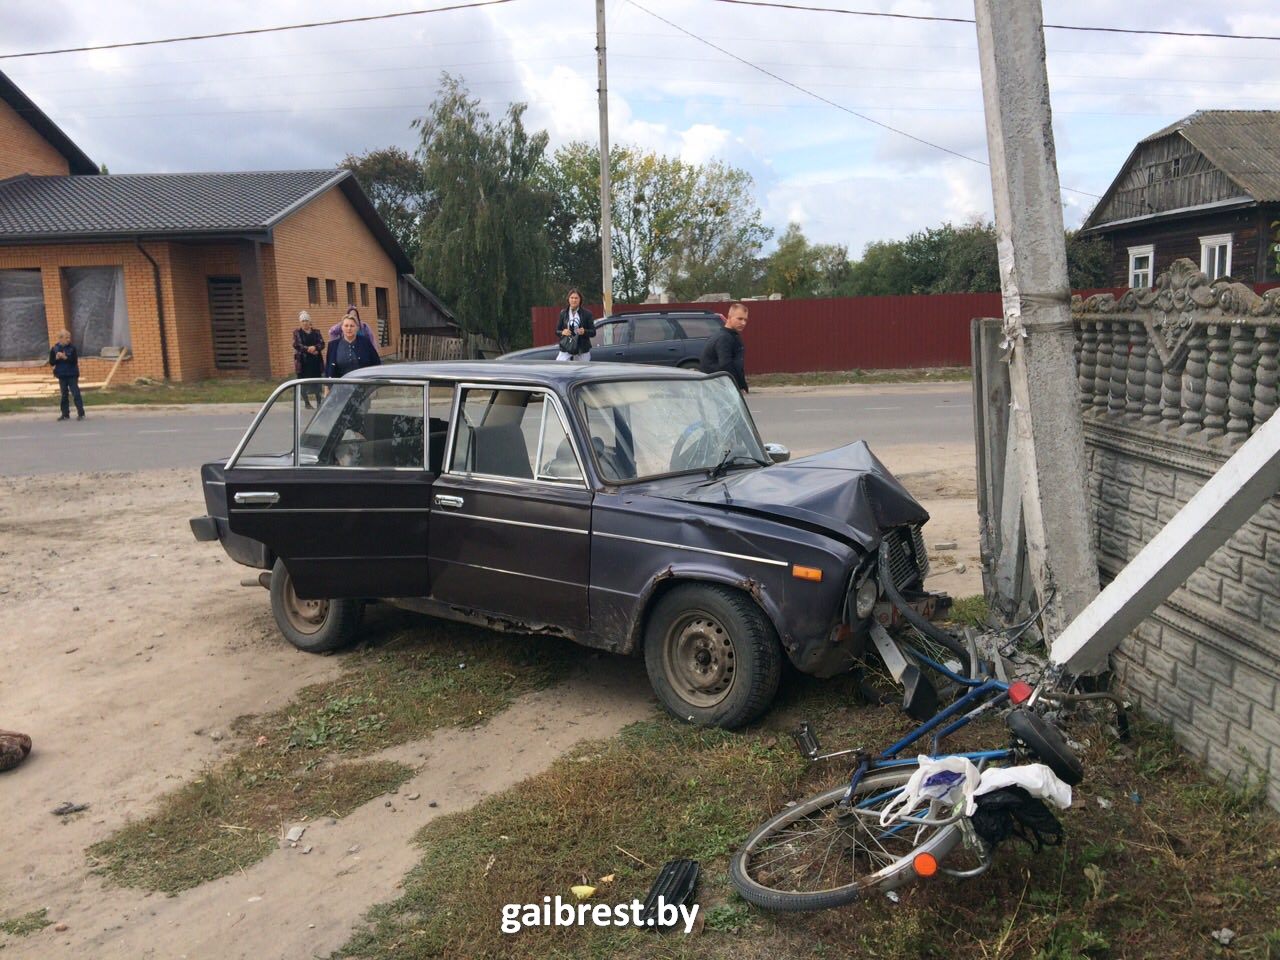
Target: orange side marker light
[{"x": 806, "y": 573}]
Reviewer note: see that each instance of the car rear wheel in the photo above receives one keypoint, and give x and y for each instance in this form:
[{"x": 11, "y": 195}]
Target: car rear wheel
[
  {"x": 689, "y": 365},
  {"x": 712, "y": 656},
  {"x": 316, "y": 626}
]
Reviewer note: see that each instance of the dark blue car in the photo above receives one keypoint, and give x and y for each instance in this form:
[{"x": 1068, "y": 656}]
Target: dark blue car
[{"x": 673, "y": 339}]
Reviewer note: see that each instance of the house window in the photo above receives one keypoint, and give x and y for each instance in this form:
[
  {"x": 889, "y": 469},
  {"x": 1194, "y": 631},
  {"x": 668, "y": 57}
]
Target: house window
[
  {"x": 24, "y": 333},
  {"x": 1141, "y": 260},
  {"x": 384, "y": 315},
  {"x": 364, "y": 294},
  {"x": 97, "y": 311},
  {"x": 313, "y": 291},
  {"x": 1215, "y": 255},
  {"x": 351, "y": 294},
  {"x": 331, "y": 292}
]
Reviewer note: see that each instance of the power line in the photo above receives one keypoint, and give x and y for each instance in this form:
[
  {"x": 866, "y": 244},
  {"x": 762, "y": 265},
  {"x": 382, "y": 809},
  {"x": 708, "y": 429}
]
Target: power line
[
  {"x": 817, "y": 96},
  {"x": 245, "y": 33},
  {"x": 1047, "y": 26}
]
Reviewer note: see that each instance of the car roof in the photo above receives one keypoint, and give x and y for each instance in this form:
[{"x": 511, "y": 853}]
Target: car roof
[{"x": 540, "y": 372}]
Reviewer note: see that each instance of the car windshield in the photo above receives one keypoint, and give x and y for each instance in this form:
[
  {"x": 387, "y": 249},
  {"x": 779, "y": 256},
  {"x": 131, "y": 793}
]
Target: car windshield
[{"x": 648, "y": 428}]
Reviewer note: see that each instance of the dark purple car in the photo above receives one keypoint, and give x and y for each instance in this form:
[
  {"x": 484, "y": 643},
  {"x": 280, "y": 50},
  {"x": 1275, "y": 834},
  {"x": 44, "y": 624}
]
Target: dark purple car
[{"x": 629, "y": 509}]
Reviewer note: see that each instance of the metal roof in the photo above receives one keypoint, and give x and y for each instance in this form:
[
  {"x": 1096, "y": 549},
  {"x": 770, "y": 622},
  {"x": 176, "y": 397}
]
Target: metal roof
[
  {"x": 125, "y": 206},
  {"x": 524, "y": 372},
  {"x": 77, "y": 159},
  {"x": 1243, "y": 144}
]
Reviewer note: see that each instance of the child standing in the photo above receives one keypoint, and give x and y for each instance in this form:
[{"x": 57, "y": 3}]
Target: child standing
[{"x": 66, "y": 367}]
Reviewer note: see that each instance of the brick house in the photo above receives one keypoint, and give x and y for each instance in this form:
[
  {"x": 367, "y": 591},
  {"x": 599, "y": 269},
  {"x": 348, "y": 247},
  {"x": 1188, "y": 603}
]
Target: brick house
[
  {"x": 1205, "y": 188},
  {"x": 196, "y": 274}
]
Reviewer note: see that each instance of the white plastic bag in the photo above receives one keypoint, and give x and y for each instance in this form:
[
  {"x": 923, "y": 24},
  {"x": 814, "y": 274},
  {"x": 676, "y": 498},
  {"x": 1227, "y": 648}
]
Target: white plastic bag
[
  {"x": 1035, "y": 778},
  {"x": 937, "y": 778}
]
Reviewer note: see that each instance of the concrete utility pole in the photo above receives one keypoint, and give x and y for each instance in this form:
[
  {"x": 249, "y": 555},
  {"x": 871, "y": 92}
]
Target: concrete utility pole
[
  {"x": 1037, "y": 307},
  {"x": 606, "y": 208}
]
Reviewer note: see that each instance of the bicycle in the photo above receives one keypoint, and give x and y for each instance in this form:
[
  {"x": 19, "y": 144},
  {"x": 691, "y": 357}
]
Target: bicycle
[{"x": 835, "y": 846}]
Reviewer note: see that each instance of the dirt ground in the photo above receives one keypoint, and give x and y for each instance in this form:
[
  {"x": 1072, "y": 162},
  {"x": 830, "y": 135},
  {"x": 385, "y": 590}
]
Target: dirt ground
[{"x": 128, "y": 650}]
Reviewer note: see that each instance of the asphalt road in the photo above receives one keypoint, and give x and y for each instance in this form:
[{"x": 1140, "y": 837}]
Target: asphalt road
[{"x": 123, "y": 440}]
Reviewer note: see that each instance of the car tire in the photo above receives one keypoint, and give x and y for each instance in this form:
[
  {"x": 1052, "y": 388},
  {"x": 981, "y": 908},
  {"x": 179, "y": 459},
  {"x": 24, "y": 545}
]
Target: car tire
[
  {"x": 712, "y": 656},
  {"x": 689, "y": 365},
  {"x": 315, "y": 626}
]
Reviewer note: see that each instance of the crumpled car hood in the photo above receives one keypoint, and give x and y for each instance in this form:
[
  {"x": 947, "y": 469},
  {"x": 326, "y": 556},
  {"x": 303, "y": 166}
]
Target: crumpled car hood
[{"x": 846, "y": 490}]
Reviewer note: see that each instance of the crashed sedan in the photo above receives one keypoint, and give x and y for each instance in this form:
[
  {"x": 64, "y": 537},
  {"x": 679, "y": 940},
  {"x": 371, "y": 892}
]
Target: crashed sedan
[{"x": 629, "y": 510}]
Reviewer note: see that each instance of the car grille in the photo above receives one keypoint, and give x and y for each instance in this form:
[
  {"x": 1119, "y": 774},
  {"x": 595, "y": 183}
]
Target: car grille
[{"x": 908, "y": 560}]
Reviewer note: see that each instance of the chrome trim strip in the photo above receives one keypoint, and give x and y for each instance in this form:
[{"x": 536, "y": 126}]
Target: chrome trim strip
[
  {"x": 518, "y": 523},
  {"x": 511, "y": 573},
  {"x": 681, "y": 546},
  {"x": 274, "y": 510}
]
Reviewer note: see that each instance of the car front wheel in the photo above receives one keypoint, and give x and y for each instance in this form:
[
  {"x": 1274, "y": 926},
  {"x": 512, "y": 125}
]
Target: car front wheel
[
  {"x": 316, "y": 626},
  {"x": 712, "y": 656}
]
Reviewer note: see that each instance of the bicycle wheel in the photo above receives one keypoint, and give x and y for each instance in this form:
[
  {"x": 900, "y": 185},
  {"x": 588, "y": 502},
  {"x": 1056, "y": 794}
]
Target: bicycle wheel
[{"x": 819, "y": 854}]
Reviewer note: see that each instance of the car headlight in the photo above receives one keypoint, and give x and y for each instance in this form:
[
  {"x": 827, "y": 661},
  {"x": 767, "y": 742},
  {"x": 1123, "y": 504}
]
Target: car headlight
[{"x": 865, "y": 600}]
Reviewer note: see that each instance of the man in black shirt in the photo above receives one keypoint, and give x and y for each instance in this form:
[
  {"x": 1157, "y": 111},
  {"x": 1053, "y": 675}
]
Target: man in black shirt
[{"x": 724, "y": 351}]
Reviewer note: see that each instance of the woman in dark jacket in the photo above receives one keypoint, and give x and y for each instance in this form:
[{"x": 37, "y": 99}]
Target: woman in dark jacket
[
  {"x": 575, "y": 330},
  {"x": 308, "y": 357},
  {"x": 350, "y": 351}
]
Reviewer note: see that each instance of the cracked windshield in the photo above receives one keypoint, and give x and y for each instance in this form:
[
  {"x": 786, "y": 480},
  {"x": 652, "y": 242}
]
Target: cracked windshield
[{"x": 648, "y": 428}]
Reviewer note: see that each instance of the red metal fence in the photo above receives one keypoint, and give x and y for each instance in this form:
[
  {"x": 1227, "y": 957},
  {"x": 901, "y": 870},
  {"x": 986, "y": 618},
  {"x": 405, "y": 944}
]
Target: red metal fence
[{"x": 845, "y": 333}]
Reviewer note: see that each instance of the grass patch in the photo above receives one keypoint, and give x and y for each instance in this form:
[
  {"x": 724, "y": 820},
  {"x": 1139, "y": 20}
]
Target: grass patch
[
  {"x": 1153, "y": 874},
  {"x": 154, "y": 392},
  {"x": 395, "y": 692},
  {"x": 969, "y": 611},
  {"x": 26, "y": 924},
  {"x": 828, "y": 378}
]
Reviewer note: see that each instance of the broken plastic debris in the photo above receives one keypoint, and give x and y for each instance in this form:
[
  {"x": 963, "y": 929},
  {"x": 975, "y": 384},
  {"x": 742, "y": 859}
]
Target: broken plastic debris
[
  {"x": 582, "y": 891},
  {"x": 1104, "y": 803},
  {"x": 893, "y": 895},
  {"x": 1224, "y": 936}
]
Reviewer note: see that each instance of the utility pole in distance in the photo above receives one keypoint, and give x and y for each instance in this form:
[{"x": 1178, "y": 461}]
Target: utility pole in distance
[
  {"x": 606, "y": 207},
  {"x": 1057, "y": 519}
]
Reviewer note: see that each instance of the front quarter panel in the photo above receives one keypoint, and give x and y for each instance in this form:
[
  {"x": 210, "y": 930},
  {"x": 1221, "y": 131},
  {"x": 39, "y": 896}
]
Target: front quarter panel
[{"x": 642, "y": 544}]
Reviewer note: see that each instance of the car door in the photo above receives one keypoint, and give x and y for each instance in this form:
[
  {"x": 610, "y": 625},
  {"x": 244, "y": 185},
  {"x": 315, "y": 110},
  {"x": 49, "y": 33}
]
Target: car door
[
  {"x": 511, "y": 513},
  {"x": 654, "y": 340},
  {"x": 341, "y": 494},
  {"x": 696, "y": 332},
  {"x": 612, "y": 341}
]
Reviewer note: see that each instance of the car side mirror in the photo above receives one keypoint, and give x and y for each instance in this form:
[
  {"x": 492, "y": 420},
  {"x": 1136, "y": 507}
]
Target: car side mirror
[{"x": 777, "y": 452}]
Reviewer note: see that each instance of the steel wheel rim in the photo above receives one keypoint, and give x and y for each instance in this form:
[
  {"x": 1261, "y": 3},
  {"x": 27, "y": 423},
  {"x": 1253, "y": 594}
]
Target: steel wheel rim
[
  {"x": 305, "y": 616},
  {"x": 848, "y": 846},
  {"x": 700, "y": 659}
]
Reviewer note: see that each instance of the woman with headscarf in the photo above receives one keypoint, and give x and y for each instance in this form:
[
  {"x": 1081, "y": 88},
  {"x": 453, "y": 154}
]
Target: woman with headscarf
[
  {"x": 350, "y": 351},
  {"x": 308, "y": 357},
  {"x": 575, "y": 330}
]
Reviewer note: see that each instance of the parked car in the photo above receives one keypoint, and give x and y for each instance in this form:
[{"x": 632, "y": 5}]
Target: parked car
[
  {"x": 632, "y": 510},
  {"x": 672, "y": 339}
]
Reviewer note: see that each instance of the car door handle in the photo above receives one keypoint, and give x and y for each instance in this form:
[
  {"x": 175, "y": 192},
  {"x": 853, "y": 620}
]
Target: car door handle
[
  {"x": 446, "y": 501},
  {"x": 258, "y": 496}
]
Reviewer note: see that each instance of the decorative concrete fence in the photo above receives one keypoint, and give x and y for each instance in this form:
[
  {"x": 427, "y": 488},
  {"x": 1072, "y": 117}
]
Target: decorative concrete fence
[{"x": 1172, "y": 380}]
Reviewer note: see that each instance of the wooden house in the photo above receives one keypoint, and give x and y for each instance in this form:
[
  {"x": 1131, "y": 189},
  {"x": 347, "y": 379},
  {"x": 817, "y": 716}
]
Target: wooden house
[{"x": 1206, "y": 188}]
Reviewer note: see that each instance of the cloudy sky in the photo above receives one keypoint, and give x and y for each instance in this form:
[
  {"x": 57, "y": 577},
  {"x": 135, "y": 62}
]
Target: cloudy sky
[{"x": 306, "y": 98}]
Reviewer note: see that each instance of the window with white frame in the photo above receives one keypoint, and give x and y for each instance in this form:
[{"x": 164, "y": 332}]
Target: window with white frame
[
  {"x": 1215, "y": 255},
  {"x": 1141, "y": 261}
]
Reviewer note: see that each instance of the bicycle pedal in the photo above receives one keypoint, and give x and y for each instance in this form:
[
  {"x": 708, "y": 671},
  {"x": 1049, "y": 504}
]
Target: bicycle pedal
[
  {"x": 806, "y": 740},
  {"x": 674, "y": 886}
]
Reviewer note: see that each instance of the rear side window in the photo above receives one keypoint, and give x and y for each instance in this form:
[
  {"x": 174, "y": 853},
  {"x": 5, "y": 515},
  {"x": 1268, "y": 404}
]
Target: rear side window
[
  {"x": 652, "y": 329},
  {"x": 612, "y": 334},
  {"x": 271, "y": 443},
  {"x": 696, "y": 327},
  {"x": 514, "y": 434}
]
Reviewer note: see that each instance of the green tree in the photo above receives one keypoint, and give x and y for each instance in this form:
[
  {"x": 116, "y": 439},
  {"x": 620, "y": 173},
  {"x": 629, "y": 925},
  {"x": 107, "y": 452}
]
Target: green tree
[
  {"x": 392, "y": 180},
  {"x": 691, "y": 228},
  {"x": 798, "y": 268},
  {"x": 484, "y": 238},
  {"x": 1088, "y": 261}
]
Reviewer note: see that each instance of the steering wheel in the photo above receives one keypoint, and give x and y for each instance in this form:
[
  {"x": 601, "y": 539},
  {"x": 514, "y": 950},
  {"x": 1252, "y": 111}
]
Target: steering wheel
[{"x": 693, "y": 447}]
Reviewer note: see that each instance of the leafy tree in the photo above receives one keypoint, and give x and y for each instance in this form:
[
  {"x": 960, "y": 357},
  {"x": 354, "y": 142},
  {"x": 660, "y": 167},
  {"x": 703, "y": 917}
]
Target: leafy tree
[
  {"x": 798, "y": 268},
  {"x": 392, "y": 180},
  {"x": 484, "y": 238},
  {"x": 1088, "y": 261},
  {"x": 688, "y": 227}
]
